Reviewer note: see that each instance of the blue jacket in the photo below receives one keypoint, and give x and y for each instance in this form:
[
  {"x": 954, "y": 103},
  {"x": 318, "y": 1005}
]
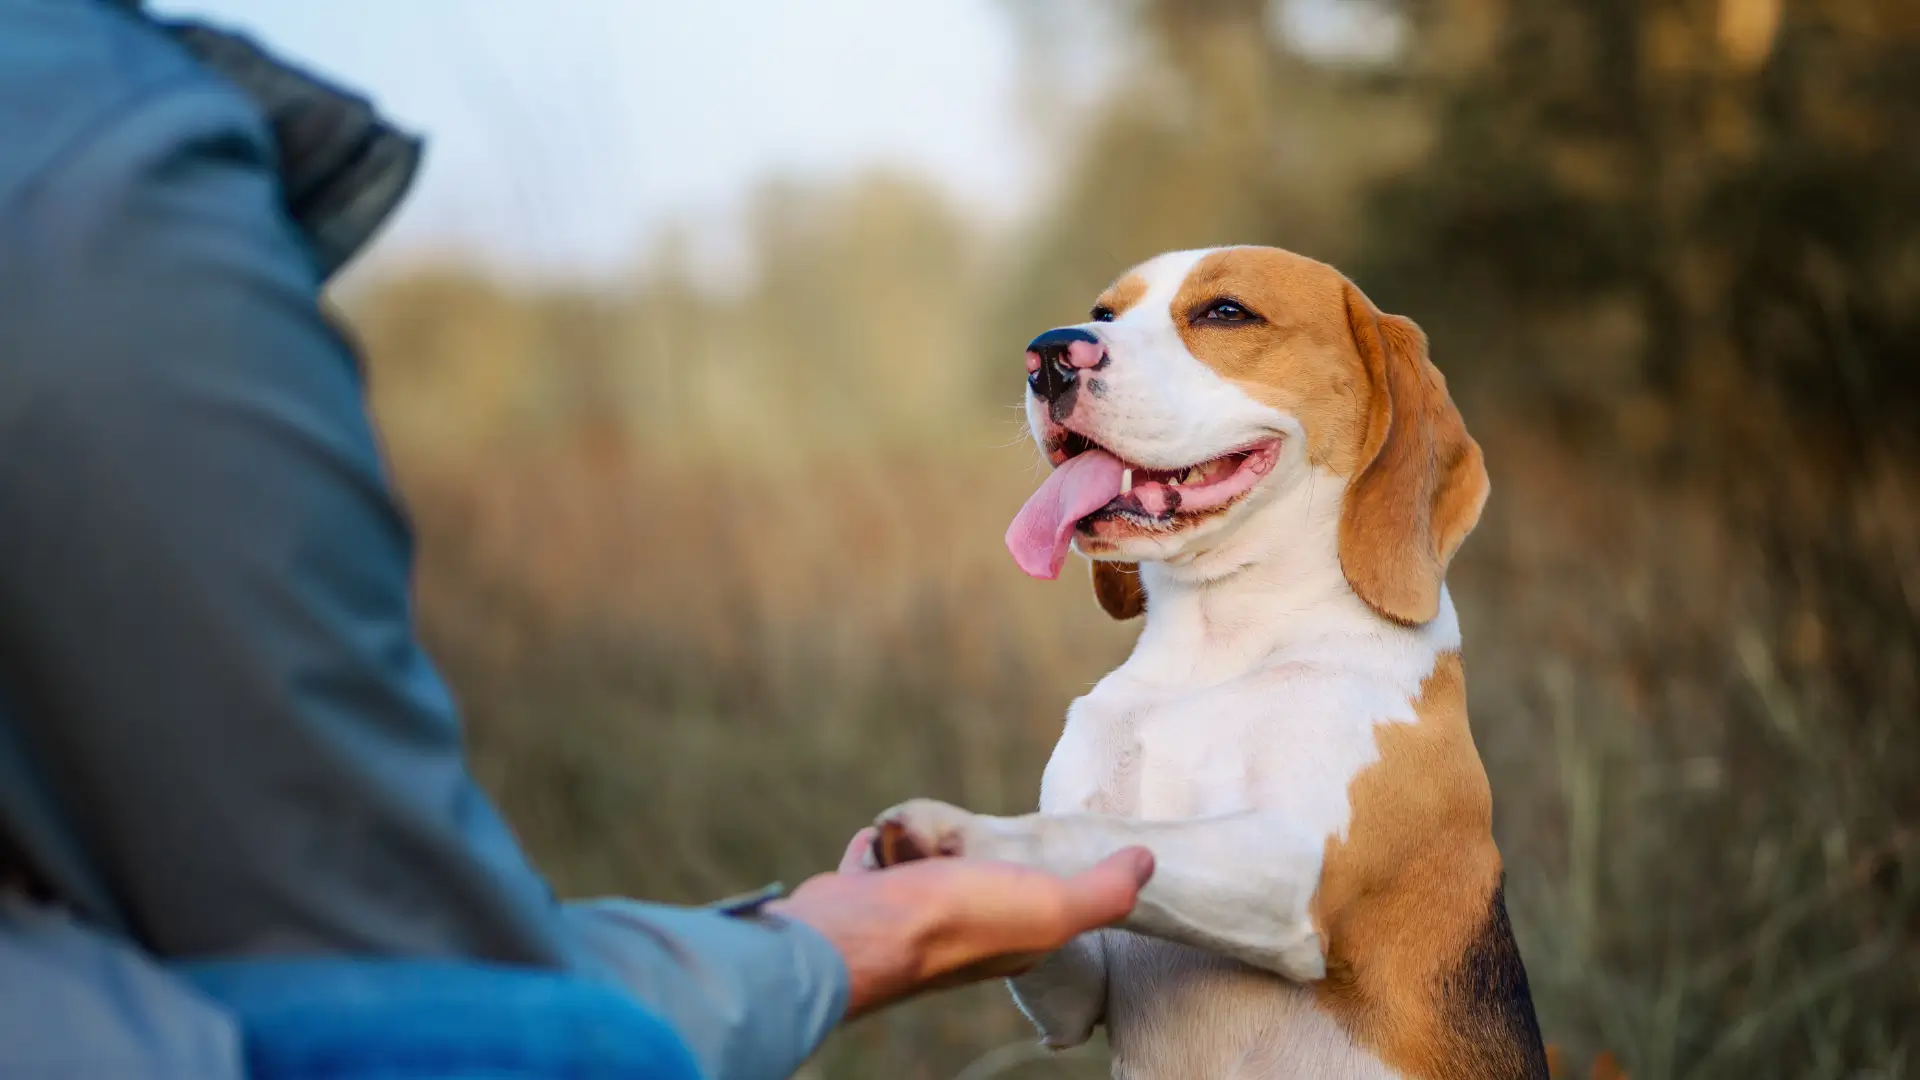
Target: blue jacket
[{"x": 219, "y": 736}]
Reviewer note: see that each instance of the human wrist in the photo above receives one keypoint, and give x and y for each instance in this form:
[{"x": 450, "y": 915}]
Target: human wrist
[{"x": 885, "y": 940}]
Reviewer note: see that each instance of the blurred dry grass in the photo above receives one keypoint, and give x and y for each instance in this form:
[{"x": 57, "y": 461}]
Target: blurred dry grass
[{"x": 715, "y": 568}]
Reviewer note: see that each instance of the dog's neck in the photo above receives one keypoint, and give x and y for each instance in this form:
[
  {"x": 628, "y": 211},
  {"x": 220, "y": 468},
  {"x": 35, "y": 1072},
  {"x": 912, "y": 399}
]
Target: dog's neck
[{"x": 1268, "y": 592}]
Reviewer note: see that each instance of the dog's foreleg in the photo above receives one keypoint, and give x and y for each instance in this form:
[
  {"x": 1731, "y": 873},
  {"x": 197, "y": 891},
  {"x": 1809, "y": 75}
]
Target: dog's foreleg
[
  {"x": 1066, "y": 995},
  {"x": 1240, "y": 885}
]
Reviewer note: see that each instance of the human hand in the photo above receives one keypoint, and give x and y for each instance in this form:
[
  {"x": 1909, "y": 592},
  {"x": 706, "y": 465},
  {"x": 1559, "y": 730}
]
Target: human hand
[{"x": 944, "y": 922}]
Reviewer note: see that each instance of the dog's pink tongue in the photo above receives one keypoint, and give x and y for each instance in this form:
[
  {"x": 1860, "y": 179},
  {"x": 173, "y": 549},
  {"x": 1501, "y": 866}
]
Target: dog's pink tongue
[{"x": 1043, "y": 529}]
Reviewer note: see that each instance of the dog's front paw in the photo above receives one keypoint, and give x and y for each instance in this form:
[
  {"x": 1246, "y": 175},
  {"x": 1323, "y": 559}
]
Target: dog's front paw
[{"x": 924, "y": 829}]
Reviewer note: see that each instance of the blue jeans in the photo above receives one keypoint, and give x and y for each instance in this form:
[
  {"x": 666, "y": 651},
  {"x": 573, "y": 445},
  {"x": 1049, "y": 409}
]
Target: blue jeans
[{"x": 434, "y": 1020}]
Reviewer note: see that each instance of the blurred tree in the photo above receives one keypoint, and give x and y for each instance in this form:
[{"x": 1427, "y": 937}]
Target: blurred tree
[
  {"x": 1739, "y": 174},
  {"x": 1213, "y": 130},
  {"x": 852, "y": 319},
  {"x": 1685, "y": 233}
]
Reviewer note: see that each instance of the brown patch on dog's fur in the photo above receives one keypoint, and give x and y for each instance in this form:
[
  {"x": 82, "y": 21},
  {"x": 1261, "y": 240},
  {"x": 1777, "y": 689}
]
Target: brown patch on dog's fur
[
  {"x": 1374, "y": 407},
  {"x": 1298, "y": 357},
  {"x": 1117, "y": 586},
  {"x": 1424, "y": 481},
  {"x": 1123, "y": 294},
  {"x": 893, "y": 845},
  {"x": 1421, "y": 963}
]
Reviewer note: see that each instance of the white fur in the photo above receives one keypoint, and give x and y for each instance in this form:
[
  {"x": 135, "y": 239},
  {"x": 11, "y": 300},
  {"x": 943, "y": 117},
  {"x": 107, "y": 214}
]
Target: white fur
[{"x": 1226, "y": 743}]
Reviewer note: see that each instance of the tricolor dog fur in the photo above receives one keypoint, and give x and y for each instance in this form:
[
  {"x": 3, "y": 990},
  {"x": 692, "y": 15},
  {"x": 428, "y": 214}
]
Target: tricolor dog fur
[{"x": 1272, "y": 470}]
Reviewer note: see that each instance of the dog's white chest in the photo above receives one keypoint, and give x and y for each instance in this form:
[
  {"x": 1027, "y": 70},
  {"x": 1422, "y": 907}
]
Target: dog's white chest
[
  {"x": 1156, "y": 756},
  {"x": 1284, "y": 739}
]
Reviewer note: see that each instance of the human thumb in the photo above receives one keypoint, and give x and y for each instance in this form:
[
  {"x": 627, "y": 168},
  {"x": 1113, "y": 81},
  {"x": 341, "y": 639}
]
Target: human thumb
[{"x": 1106, "y": 892}]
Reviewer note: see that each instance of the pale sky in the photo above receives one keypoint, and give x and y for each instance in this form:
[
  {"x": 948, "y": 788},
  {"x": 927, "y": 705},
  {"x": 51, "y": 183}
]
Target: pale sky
[{"x": 563, "y": 134}]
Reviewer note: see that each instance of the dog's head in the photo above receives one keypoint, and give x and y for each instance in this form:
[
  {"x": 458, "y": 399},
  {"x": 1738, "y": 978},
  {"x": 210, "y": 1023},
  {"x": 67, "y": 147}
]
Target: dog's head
[{"x": 1209, "y": 384}]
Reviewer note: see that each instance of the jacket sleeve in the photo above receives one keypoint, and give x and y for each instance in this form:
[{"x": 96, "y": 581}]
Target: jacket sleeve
[{"x": 208, "y": 666}]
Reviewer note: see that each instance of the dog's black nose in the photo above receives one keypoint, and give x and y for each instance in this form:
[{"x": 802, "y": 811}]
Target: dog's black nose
[{"x": 1056, "y": 358}]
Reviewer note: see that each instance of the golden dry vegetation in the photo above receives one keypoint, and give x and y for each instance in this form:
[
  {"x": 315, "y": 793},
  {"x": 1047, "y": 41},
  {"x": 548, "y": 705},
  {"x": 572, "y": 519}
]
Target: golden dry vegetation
[{"x": 715, "y": 567}]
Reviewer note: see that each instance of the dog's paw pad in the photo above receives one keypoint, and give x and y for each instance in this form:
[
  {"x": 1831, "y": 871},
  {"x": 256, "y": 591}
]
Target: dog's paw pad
[{"x": 895, "y": 843}]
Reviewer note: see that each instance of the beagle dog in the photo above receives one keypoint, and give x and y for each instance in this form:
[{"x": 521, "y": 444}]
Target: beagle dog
[{"x": 1272, "y": 470}]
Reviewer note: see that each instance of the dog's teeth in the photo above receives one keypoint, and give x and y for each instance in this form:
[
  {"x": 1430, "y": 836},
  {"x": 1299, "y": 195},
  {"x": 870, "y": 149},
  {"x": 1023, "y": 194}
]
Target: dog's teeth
[{"x": 1126, "y": 481}]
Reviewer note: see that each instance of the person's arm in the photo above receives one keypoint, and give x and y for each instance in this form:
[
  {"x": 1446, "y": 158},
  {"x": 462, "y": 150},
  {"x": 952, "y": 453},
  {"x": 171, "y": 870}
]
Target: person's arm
[
  {"x": 945, "y": 922},
  {"x": 217, "y": 729},
  {"x": 228, "y": 740}
]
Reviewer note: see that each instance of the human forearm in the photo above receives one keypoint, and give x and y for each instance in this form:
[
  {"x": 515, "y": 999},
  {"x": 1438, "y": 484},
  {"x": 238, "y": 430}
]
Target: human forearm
[
  {"x": 750, "y": 996},
  {"x": 944, "y": 922}
]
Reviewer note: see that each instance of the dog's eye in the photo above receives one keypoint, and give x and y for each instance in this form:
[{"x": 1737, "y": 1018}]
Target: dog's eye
[
  {"x": 1226, "y": 311},
  {"x": 1102, "y": 313}
]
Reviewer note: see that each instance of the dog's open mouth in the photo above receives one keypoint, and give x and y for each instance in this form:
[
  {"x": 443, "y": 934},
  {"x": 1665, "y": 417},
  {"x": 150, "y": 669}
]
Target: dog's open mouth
[{"x": 1091, "y": 485}]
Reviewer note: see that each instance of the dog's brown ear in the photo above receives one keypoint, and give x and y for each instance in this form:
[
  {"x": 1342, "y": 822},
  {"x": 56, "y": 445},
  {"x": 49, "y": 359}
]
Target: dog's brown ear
[
  {"x": 1421, "y": 481},
  {"x": 1117, "y": 586}
]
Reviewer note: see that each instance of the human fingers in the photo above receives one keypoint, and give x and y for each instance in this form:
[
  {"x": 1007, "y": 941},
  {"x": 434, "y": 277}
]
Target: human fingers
[
  {"x": 997, "y": 909},
  {"x": 996, "y": 914},
  {"x": 1105, "y": 893}
]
